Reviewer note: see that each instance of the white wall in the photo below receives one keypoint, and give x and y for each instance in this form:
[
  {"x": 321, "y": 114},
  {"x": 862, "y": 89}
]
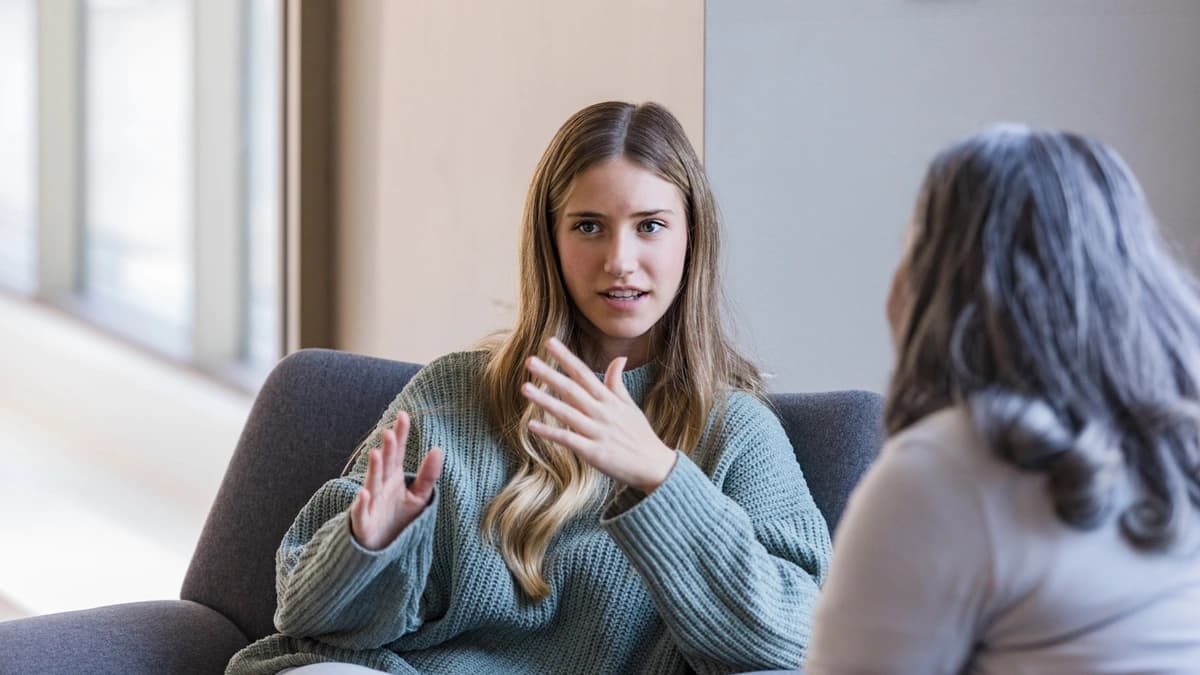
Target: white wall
[{"x": 820, "y": 117}]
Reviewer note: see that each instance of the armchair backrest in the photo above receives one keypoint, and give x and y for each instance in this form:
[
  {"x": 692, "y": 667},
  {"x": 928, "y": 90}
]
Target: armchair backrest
[
  {"x": 836, "y": 435},
  {"x": 317, "y": 405}
]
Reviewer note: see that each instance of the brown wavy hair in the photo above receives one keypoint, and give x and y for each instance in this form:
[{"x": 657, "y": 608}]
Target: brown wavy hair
[{"x": 696, "y": 363}]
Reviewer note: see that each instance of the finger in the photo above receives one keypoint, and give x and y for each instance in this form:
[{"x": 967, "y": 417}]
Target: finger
[
  {"x": 387, "y": 450},
  {"x": 575, "y": 367},
  {"x": 360, "y": 515},
  {"x": 566, "y": 388},
  {"x": 360, "y": 506},
  {"x": 613, "y": 379},
  {"x": 374, "y": 481},
  {"x": 560, "y": 410},
  {"x": 428, "y": 473},
  {"x": 400, "y": 428},
  {"x": 565, "y": 437}
]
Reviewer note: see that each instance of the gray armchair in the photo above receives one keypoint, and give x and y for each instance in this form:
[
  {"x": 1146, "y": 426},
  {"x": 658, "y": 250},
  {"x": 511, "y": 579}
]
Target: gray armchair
[{"x": 313, "y": 409}]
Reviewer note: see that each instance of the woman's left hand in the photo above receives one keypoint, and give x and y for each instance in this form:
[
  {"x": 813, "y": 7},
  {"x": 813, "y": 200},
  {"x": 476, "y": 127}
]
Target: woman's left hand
[{"x": 601, "y": 422}]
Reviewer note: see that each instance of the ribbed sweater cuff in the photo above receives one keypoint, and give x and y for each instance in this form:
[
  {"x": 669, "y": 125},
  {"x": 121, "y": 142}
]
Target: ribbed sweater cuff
[
  {"x": 664, "y": 528},
  {"x": 340, "y": 568},
  {"x": 697, "y": 554}
]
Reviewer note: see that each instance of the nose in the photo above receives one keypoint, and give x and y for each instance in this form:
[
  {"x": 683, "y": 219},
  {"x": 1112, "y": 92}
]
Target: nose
[{"x": 620, "y": 260}]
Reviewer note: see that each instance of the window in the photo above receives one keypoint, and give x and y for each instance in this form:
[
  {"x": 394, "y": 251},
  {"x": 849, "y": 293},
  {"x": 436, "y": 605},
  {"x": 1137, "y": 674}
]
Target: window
[
  {"x": 260, "y": 346},
  {"x": 137, "y": 253},
  {"x": 160, "y": 173},
  {"x": 18, "y": 138}
]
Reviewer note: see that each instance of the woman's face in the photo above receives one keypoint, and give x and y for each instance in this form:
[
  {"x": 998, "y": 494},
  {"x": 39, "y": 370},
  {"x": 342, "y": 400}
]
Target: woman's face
[{"x": 622, "y": 240}]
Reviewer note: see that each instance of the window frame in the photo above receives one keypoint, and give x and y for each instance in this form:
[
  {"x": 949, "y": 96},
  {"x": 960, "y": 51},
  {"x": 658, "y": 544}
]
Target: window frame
[{"x": 218, "y": 211}]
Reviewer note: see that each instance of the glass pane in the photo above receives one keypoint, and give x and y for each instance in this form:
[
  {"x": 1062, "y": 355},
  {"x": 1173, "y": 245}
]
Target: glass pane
[
  {"x": 137, "y": 168},
  {"x": 18, "y": 138},
  {"x": 262, "y": 109}
]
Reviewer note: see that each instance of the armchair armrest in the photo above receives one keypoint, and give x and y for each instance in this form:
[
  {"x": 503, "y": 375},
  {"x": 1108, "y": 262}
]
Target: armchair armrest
[{"x": 167, "y": 636}]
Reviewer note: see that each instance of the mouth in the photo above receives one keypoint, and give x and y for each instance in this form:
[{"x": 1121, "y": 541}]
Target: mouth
[
  {"x": 623, "y": 294},
  {"x": 623, "y": 299}
]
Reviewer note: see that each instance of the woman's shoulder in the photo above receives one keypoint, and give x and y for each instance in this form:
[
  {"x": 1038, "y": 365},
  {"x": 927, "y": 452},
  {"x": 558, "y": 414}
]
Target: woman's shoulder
[
  {"x": 742, "y": 423},
  {"x": 935, "y": 469},
  {"x": 944, "y": 457},
  {"x": 947, "y": 439},
  {"x": 447, "y": 378},
  {"x": 456, "y": 364},
  {"x": 746, "y": 414}
]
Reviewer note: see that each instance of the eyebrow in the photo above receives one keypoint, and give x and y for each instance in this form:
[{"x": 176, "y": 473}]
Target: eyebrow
[{"x": 597, "y": 214}]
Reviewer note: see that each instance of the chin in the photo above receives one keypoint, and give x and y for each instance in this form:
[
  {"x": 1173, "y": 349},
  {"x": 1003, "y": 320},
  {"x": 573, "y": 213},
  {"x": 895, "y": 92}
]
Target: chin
[
  {"x": 623, "y": 330},
  {"x": 623, "y": 334}
]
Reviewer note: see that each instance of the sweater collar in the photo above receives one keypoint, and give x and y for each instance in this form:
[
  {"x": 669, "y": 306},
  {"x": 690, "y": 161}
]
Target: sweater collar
[{"x": 638, "y": 381}]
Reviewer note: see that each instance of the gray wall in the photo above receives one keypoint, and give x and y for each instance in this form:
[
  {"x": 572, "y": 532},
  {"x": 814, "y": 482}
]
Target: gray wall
[{"x": 821, "y": 115}]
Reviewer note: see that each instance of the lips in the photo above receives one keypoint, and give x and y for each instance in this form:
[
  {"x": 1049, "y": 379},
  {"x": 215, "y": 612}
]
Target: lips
[
  {"x": 630, "y": 294},
  {"x": 623, "y": 299},
  {"x": 623, "y": 293}
]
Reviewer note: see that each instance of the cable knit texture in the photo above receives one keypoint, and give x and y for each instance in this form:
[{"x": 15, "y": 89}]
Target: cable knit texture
[{"x": 715, "y": 571}]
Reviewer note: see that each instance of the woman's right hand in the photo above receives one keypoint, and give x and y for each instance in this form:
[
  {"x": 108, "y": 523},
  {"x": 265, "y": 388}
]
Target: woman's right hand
[{"x": 386, "y": 504}]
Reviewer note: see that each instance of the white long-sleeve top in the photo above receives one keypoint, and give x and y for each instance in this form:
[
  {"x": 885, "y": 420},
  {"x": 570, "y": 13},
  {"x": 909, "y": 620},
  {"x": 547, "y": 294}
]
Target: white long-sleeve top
[{"x": 950, "y": 560}]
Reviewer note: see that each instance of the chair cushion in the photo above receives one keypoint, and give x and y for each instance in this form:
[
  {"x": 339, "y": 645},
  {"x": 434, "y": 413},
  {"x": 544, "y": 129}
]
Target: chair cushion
[{"x": 150, "y": 638}]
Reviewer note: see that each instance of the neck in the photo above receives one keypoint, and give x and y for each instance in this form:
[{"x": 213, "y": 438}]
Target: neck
[{"x": 599, "y": 353}]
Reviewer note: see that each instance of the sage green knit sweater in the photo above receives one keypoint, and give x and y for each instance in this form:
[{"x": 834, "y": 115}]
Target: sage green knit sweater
[{"x": 717, "y": 570}]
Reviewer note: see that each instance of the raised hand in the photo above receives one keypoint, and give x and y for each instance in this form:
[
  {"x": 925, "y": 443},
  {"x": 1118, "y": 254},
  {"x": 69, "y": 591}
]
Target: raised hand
[
  {"x": 386, "y": 505},
  {"x": 602, "y": 423}
]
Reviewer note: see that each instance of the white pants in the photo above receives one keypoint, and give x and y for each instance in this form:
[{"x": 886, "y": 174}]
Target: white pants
[{"x": 330, "y": 669}]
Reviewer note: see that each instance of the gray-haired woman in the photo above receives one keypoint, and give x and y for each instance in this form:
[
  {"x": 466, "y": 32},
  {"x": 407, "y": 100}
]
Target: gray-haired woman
[{"x": 1036, "y": 507}]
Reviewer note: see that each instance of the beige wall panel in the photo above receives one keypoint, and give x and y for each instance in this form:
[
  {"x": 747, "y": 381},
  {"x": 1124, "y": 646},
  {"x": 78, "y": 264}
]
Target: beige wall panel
[{"x": 445, "y": 108}]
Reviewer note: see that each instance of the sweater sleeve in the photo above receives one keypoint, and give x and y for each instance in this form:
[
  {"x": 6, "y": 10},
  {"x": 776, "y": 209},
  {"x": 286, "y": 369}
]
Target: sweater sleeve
[
  {"x": 733, "y": 570},
  {"x": 910, "y": 580},
  {"x": 323, "y": 574}
]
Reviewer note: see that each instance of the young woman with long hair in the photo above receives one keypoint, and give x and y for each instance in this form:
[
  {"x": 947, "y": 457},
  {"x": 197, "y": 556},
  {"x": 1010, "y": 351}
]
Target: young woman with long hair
[{"x": 600, "y": 490}]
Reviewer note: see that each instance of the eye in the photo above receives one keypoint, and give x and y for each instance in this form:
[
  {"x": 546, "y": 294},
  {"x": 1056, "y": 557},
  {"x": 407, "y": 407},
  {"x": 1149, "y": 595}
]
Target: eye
[
  {"x": 588, "y": 226},
  {"x": 651, "y": 226}
]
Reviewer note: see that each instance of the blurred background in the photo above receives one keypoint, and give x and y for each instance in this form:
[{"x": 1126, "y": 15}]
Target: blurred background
[{"x": 192, "y": 189}]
